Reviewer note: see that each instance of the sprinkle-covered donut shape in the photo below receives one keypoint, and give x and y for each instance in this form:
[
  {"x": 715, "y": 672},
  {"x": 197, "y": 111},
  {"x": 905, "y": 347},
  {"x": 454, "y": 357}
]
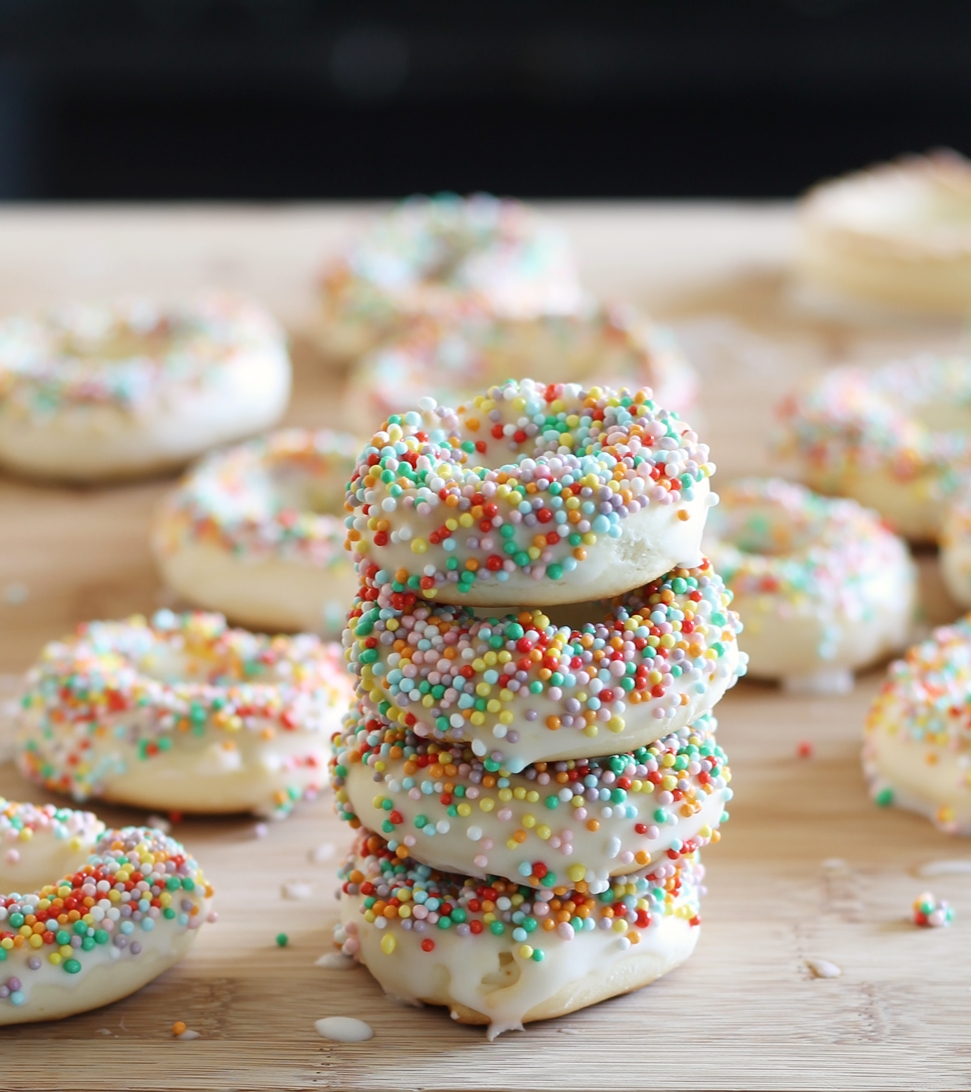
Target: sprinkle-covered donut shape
[
  {"x": 823, "y": 586},
  {"x": 257, "y": 532},
  {"x": 448, "y": 257},
  {"x": 606, "y": 344},
  {"x": 118, "y": 390},
  {"x": 917, "y": 747},
  {"x": 503, "y": 953},
  {"x": 182, "y": 713},
  {"x": 582, "y": 819},
  {"x": 956, "y": 547},
  {"x": 113, "y": 910},
  {"x": 529, "y": 494},
  {"x": 523, "y": 688},
  {"x": 896, "y": 438},
  {"x": 892, "y": 238}
]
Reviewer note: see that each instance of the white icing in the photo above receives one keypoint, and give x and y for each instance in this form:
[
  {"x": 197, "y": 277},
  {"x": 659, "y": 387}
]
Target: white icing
[{"x": 344, "y": 1029}]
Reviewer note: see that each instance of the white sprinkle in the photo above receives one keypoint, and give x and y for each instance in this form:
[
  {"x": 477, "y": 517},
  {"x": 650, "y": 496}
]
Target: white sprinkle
[
  {"x": 343, "y": 1029},
  {"x": 103, "y": 1031},
  {"x": 260, "y": 830},
  {"x": 296, "y": 890},
  {"x": 336, "y": 961},
  {"x": 15, "y": 593},
  {"x": 834, "y": 862},
  {"x": 188, "y": 1034},
  {"x": 159, "y": 823},
  {"x": 822, "y": 968},
  {"x": 943, "y": 868},
  {"x": 324, "y": 852}
]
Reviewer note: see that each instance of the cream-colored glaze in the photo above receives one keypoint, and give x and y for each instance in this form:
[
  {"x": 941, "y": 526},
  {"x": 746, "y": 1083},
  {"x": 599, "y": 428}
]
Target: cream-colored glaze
[
  {"x": 914, "y": 507},
  {"x": 96, "y": 442},
  {"x": 26, "y": 864},
  {"x": 784, "y": 641},
  {"x": 604, "y": 344},
  {"x": 897, "y": 236},
  {"x": 643, "y": 723},
  {"x": 485, "y": 980},
  {"x": 934, "y": 781},
  {"x": 108, "y": 974},
  {"x": 482, "y": 843},
  {"x": 206, "y": 774},
  {"x": 268, "y": 594},
  {"x": 653, "y": 541}
]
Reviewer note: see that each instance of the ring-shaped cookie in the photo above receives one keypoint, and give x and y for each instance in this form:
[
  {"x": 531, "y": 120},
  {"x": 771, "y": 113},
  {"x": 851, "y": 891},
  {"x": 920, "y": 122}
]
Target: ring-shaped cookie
[
  {"x": 896, "y": 438},
  {"x": 182, "y": 713},
  {"x": 917, "y": 745},
  {"x": 256, "y": 532},
  {"x": 523, "y": 688},
  {"x": 890, "y": 239},
  {"x": 823, "y": 586},
  {"x": 529, "y": 494},
  {"x": 448, "y": 257},
  {"x": 112, "y": 911},
  {"x": 119, "y": 390},
  {"x": 605, "y": 344},
  {"x": 584, "y": 819},
  {"x": 502, "y": 953}
]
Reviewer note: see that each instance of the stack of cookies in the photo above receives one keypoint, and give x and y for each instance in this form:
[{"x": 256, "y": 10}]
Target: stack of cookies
[{"x": 531, "y": 760}]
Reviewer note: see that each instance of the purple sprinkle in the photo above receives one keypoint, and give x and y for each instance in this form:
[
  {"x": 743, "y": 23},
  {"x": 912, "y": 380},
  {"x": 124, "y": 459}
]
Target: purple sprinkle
[
  {"x": 134, "y": 947},
  {"x": 13, "y": 984}
]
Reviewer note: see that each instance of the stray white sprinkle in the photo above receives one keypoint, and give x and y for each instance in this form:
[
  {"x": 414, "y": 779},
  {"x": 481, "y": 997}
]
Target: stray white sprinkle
[
  {"x": 943, "y": 868},
  {"x": 159, "y": 822},
  {"x": 834, "y": 862},
  {"x": 324, "y": 852},
  {"x": 260, "y": 830},
  {"x": 103, "y": 1031},
  {"x": 294, "y": 890},
  {"x": 15, "y": 593},
  {"x": 343, "y": 1029},
  {"x": 336, "y": 961},
  {"x": 188, "y": 1034},
  {"x": 822, "y": 968}
]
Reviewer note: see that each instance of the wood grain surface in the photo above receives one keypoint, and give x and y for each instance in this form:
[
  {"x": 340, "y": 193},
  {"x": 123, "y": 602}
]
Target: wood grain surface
[{"x": 807, "y": 868}]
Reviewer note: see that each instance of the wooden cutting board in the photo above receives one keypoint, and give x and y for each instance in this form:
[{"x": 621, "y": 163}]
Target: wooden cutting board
[{"x": 807, "y": 868}]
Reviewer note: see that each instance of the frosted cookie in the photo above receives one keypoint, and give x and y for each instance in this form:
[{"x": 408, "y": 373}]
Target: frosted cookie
[
  {"x": 896, "y": 438},
  {"x": 608, "y": 345},
  {"x": 118, "y": 390},
  {"x": 447, "y": 257},
  {"x": 896, "y": 236},
  {"x": 503, "y": 953},
  {"x": 182, "y": 713},
  {"x": 256, "y": 532},
  {"x": 112, "y": 911},
  {"x": 917, "y": 746},
  {"x": 524, "y": 687},
  {"x": 530, "y": 494},
  {"x": 823, "y": 586},
  {"x": 583, "y": 819}
]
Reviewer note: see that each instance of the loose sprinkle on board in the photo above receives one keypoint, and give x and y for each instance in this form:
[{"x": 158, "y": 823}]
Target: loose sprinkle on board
[{"x": 344, "y": 1029}]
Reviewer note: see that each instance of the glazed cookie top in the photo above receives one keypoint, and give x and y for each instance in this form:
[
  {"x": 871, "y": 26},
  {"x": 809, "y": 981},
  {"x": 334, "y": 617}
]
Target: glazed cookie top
[
  {"x": 135, "y": 878},
  {"x": 125, "y": 354},
  {"x": 447, "y": 673},
  {"x": 449, "y": 255},
  {"x": 280, "y": 495},
  {"x": 523, "y": 478},
  {"x": 905, "y": 417},
  {"x": 449, "y": 360},
  {"x": 927, "y": 694},
  {"x": 20, "y": 822},
  {"x": 174, "y": 674},
  {"x": 771, "y": 537},
  {"x": 645, "y": 793}
]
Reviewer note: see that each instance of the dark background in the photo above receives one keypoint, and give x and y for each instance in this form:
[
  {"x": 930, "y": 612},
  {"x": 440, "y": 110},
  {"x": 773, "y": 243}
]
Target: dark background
[{"x": 278, "y": 99}]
